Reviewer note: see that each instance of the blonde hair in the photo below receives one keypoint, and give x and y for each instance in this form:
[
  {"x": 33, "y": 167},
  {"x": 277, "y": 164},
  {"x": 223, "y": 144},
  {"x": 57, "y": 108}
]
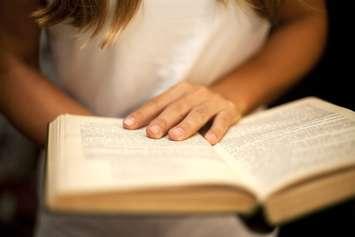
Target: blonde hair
[{"x": 92, "y": 14}]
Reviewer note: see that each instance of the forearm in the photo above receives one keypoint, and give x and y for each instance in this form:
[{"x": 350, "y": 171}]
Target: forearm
[
  {"x": 290, "y": 52},
  {"x": 30, "y": 101}
]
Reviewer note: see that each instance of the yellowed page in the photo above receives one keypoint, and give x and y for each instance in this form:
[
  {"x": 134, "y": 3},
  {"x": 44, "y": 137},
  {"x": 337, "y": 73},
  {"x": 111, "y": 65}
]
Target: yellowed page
[
  {"x": 98, "y": 154},
  {"x": 280, "y": 146}
]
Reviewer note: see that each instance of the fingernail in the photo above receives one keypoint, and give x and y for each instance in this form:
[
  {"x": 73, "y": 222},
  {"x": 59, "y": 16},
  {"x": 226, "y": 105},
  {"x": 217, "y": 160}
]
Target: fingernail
[
  {"x": 129, "y": 121},
  {"x": 211, "y": 137},
  {"x": 177, "y": 132},
  {"x": 155, "y": 129}
]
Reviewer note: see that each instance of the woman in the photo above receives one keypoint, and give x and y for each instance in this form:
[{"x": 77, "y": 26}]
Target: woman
[{"x": 173, "y": 65}]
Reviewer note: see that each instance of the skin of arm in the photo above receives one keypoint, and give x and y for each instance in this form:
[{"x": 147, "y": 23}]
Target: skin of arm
[
  {"x": 30, "y": 101},
  {"x": 27, "y": 99},
  {"x": 292, "y": 49}
]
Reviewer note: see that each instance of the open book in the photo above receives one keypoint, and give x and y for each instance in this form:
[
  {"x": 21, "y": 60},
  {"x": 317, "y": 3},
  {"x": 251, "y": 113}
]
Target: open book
[{"x": 290, "y": 161}]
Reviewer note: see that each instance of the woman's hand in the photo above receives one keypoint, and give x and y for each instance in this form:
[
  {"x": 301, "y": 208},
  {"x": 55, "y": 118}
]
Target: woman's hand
[{"x": 182, "y": 111}]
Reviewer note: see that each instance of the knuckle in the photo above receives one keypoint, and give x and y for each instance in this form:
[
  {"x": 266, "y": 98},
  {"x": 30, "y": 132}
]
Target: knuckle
[
  {"x": 202, "y": 90},
  {"x": 231, "y": 109},
  {"x": 153, "y": 104},
  {"x": 228, "y": 117},
  {"x": 218, "y": 131},
  {"x": 219, "y": 101},
  {"x": 201, "y": 110},
  {"x": 218, "y": 97},
  {"x": 161, "y": 122},
  {"x": 230, "y": 105},
  {"x": 154, "y": 100},
  {"x": 138, "y": 115},
  {"x": 185, "y": 85},
  {"x": 234, "y": 119},
  {"x": 225, "y": 120},
  {"x": 199, "y": 116},
  {"x": 177, "y": 107},
  {"x": 188, "y": 125}
]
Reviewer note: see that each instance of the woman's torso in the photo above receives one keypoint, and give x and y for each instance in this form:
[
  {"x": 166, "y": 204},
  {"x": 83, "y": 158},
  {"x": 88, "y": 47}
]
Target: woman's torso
[{"x": 166, "y": 42}]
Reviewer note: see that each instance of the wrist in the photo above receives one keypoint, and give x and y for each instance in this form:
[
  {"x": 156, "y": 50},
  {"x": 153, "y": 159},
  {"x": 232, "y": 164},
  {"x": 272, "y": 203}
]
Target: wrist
[{"x": 240, "y": 103}]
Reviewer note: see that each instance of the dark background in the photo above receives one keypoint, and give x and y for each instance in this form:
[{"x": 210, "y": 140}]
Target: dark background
[{"x": 332, "y": 79}]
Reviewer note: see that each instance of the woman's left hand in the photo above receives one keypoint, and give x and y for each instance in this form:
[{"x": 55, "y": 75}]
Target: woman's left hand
[{"x": 182, "y": 111}]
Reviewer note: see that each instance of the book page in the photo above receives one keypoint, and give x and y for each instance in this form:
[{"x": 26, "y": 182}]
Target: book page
[
  {"x": 282, "y": 145},
  {"x": 98, "y": 154}
]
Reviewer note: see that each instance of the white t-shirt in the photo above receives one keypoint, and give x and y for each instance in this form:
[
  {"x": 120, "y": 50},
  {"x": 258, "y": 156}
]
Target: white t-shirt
[{"x": 166, "y": 42}]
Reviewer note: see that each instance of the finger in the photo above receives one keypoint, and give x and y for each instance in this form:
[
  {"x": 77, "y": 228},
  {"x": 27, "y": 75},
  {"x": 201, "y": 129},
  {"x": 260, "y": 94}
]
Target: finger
[
  {"x": 198, "y": 117},
  {"x": 172, "y": 115},
  {"x": 221, "y": 123},
  {"x": 153, "y": 107}
]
